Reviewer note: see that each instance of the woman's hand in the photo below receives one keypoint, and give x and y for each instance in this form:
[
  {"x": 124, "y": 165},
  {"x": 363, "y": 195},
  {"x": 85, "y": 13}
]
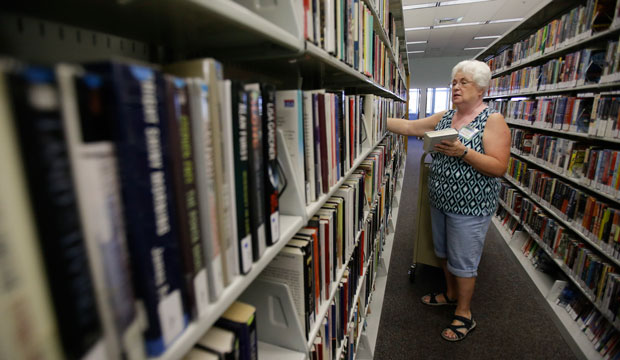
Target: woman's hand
[{"x": 451, "y": 148}]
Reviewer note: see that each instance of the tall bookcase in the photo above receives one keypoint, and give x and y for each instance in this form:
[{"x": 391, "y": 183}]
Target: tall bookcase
[
  {"x": 553, "y": 77},
  {"x": 254, "y": 39}
]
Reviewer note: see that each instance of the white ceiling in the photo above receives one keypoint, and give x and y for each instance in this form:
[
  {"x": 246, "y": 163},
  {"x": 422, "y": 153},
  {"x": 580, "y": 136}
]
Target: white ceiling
[{"x": 450, "y": 42}]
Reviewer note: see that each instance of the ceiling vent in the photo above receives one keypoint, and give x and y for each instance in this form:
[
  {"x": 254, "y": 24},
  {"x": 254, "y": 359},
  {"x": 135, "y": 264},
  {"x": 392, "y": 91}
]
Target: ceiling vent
[{"x": 445, "y": 21}]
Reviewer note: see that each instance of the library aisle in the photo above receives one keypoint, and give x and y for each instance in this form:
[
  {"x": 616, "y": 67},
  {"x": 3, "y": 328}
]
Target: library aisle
[{"x": 513, "y": 320}]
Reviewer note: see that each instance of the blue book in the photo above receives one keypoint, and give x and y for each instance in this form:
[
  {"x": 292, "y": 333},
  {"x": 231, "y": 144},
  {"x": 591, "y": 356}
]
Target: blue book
[{"x": 135, "y": 95}]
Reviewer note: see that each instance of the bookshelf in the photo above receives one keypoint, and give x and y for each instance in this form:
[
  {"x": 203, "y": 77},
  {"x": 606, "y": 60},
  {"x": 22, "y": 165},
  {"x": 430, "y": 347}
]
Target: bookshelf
[
  {"x": 536, "y": 64},
  {"x": 544, "y": 283},
  {"x": 252, "y": 42}
]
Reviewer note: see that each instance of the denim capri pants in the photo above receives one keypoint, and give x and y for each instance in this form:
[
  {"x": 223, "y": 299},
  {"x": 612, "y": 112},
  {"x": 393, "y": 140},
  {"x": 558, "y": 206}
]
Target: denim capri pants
[{"x": 459, "y": 239}]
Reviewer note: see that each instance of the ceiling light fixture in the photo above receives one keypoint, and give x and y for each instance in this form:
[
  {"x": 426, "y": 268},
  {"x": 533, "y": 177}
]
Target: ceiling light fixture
[
  {"x": 418, "y": 28},
  {"x": 504, "y": 20},
  {"x": 455, "y": 25},
  {"x": 417, "y": 42},
  {"x": 420, "y": 6},
  {"x": 441, "y": 3},
  {"x": 415, "y": 52},
  {"x": 475, "y": 48},
  {"x": 487, "y": 37},
  {"x": 460, "y": 2}
]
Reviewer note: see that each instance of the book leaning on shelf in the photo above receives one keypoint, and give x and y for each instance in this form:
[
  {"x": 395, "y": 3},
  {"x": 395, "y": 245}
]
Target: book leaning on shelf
[
  {"x": 24, "y": 294},
  {"x": 35, "y": 115},
  {"x": 94, "y": 165}
]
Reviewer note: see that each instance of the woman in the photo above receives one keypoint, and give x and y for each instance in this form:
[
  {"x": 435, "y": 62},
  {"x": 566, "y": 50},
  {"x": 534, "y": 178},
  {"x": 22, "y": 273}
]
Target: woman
[{"x": 463, "y": 186}]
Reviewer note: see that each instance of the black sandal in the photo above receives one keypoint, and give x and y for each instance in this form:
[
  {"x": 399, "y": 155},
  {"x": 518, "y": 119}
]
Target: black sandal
[
  {"x": 432, "y": 301},
  {"x": 468, "y": 325}
]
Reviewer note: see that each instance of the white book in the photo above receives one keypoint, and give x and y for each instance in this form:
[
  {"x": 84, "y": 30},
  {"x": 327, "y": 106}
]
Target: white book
[
  {"x": 32, "y": 330},
  {"x": 289, "y": 119},
  {"x": 210, "y": 70},
  {"x": 328, "y": 132},
  {"x": 203, "y": 156},
  {"x": 310, "y": 184},
  {"x": 198, "y": 354},
  {"x": 220, "y": 341},
  {"x": 95, "y": 176},
  {"x": 330, "y": 27},
  {"x": 225, "y": 87},
  {"x": 432, "y": 138}
]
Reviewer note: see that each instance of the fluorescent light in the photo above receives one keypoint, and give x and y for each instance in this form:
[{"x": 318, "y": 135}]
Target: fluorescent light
[
  {"x": 419, "y": 6},
  {"x": 415, "y": 52},
  {"x": 418, "y": 28},
  {"x": 459, "y": 2},
  {"x": 487, "y": 37},
  {"x": 475, "y": 48},
  {"x": 504, "y": 20},
  {"x": 455, "y": 25},
  {"x": 417, "y": 42}
]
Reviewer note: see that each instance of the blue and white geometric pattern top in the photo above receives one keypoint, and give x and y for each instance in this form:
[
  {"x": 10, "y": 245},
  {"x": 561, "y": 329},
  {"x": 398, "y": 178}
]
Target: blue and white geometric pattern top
[{"x": 454, "y": 185}]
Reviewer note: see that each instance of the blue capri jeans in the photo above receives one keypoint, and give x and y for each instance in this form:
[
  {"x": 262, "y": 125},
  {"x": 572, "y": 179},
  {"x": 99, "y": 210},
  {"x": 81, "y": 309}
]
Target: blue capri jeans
[{"x": 459, "y": 239}]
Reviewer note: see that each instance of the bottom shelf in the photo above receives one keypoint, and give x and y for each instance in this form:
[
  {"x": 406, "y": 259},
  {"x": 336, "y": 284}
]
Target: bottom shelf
[{"x": 569, "y": 329}]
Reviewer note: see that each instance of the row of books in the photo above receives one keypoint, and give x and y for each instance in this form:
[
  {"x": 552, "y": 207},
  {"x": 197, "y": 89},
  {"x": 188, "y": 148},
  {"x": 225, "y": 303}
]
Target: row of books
[
  {"x": 333, "y": 235},
  {"x": 592, "y": 218},
  {"x": 591, "y": 114},
  {"x": 349, "y": 123},
  {"x": 345, "y": 29},
  {"x": 345, "y": 317},
  {"x": 160, "y": 189},
  {"x": 589, "y": 165},
  {"x": 593, "y": 65},
  {"x": 604, "y": 336},
  {"x": 597, "y": 327},
  {"x": 578, "y": 23},
  {"x": 581, "y": 262},
  {"x": 234, "y": 336},
  {"x": 163, "y": 186}
]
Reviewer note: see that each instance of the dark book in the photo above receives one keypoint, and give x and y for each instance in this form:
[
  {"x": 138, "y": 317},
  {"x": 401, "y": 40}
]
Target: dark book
[
  {"x": 323, "y": 123},
  {"x": 242, "y": 186},
  {"x": 318, "y": 177},
  {"x": 240, "y": 318},
  {"x": 220, "y": 342},
  {"x": 303, "y": 242},
  {"x": 270, "y": 153},
  {"x": 36, "y": 105},
  {"x": 136, "y": 95},
  {"x": 185, "y": 194},
  {"x": 256, "y": 171}
]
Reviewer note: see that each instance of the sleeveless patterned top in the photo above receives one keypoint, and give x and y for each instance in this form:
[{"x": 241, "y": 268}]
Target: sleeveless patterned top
[{"x": 455, "y": 186}]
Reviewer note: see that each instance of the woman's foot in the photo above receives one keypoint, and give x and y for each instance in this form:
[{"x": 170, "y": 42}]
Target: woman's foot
[
  {"x": 437, "y": 299},
  {"x": 460, "y": 327}
]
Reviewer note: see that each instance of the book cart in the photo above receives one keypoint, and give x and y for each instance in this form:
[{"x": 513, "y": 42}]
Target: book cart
[
  {"x": 254, "y": 42},
  {"x": 539, "y": 75}
]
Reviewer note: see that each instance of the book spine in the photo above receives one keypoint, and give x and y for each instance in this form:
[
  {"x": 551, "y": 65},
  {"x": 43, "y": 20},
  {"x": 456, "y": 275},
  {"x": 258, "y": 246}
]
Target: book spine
[
  {"x": 44, "y": 151},
  {"x": 28, "y": 327},
  {"x": 240, "y": 145},
  {"x": 256, "y": 174},
  {"x": 270, "y": 153},
  {"x": 95, "y": 173},
  {"x": 203, "y": 151},
  {"x": 186, "y": 196},
  {"x": 142, "y": 144}
]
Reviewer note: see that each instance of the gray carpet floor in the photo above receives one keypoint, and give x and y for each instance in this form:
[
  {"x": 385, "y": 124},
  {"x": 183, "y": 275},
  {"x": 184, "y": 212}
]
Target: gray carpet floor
[{"x": 513, "y": 322}]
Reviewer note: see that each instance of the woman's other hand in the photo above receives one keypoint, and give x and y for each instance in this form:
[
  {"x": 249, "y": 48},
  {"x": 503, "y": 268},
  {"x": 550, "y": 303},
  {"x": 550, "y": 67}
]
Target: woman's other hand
[{"x": 451, "y": 148}]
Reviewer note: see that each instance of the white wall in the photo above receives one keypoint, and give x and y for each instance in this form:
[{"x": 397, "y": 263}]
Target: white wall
[{"x": 430, "y": 73}]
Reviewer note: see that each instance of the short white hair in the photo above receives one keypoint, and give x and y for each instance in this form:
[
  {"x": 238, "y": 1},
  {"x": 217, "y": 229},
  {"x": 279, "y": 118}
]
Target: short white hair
[{"x": 479, "y": 72}]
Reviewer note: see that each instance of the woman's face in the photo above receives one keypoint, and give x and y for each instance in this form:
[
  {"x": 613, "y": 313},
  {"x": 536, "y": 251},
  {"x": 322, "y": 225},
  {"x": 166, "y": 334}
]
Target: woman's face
[{"x": 464, "y": 89}]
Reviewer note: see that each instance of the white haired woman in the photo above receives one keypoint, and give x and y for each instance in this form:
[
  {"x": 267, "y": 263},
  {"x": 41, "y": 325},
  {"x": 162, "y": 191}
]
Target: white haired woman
[{"x": 463, "y": 186}]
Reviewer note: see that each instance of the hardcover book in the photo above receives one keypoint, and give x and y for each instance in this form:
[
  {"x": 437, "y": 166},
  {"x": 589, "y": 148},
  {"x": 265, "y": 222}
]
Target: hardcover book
[
  {"x": 432, "y": 138},
  {"x": 136, "y": 98}
]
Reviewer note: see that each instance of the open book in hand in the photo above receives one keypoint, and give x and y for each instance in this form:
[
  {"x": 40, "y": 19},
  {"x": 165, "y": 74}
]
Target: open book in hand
[{"x": 431, "y": 138}]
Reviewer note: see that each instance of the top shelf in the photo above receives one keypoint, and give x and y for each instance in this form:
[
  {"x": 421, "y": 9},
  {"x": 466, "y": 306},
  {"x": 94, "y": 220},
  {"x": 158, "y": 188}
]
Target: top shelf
[
  {"x": 182, "y": 29},
  {"x": 546, "y": 12}
]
